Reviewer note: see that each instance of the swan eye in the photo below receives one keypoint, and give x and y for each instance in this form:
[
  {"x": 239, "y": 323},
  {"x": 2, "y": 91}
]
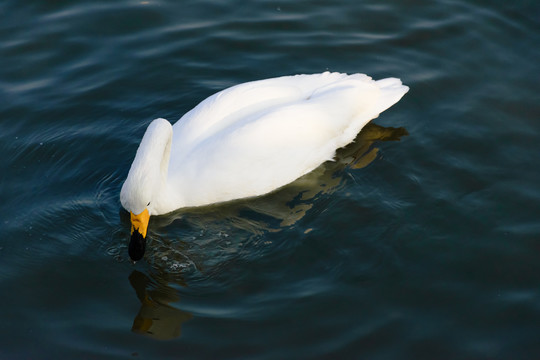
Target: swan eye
[{"x": 148, "y": 204}]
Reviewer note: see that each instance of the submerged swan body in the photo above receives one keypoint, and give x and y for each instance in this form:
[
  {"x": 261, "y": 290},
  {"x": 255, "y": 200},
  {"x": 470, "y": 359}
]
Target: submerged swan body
[{"x": 249, "y": 140}]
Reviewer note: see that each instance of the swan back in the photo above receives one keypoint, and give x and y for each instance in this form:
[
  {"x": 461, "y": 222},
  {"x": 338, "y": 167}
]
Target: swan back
[{"x": 255, "y": 137}]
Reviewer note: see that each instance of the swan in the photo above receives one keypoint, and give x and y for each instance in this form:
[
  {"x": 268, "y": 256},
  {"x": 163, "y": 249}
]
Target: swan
[{"x": 248, "y": 140}]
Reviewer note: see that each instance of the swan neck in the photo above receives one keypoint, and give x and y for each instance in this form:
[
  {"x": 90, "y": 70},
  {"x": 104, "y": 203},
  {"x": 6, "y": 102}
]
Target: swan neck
[
  {"x": 147, "y": 178},
  {"x": 165, "y": 159}
]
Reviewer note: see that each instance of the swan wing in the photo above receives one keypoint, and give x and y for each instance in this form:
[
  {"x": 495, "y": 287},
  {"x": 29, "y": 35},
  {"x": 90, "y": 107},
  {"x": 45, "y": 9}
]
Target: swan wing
[{"x": 256, "y": 137}]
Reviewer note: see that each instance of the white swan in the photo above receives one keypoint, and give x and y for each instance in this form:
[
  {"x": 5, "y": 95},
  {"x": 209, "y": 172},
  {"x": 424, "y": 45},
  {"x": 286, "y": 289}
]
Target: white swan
[{"x": 248, "y": 140}]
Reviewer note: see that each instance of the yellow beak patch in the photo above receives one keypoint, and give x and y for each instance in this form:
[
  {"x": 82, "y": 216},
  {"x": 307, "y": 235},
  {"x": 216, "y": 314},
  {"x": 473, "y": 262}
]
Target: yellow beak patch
[{"x": 140, "y": 222}]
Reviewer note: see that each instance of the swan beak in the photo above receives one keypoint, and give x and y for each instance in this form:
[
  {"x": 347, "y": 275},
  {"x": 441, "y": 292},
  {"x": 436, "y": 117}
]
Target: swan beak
[{"x": 139, "y": 226}]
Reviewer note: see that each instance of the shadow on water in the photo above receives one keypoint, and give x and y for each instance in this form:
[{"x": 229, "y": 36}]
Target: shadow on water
[
  {"x": 288, "y": 204},
  {"x": 208, "y": 239}
]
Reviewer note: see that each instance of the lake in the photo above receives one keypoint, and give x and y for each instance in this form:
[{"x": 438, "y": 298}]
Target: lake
[{"x": 420, "y": 241}]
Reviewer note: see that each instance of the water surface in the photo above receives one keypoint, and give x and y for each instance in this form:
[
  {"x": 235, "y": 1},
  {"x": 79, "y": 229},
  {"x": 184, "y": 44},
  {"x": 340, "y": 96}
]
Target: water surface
[{"x": 421, "y": 241}]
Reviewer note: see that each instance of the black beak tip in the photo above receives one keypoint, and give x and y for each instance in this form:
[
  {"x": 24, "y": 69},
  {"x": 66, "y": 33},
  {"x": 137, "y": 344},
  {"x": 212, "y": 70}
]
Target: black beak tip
[{"x": 137, "y": 245}]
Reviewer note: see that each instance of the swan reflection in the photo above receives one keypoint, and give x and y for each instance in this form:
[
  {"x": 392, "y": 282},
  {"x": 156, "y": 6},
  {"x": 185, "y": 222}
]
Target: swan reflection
[
  {"x": 156, "y": 318},
  {"x": 205, "y": 241}
]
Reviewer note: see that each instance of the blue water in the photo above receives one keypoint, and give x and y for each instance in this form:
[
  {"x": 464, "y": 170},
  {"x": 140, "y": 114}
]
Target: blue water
[{"x": 421, "y": 241}]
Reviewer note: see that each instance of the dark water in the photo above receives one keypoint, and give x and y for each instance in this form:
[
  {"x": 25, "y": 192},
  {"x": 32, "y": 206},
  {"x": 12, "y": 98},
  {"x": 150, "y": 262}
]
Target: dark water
[{"x": 422, "y": 241}]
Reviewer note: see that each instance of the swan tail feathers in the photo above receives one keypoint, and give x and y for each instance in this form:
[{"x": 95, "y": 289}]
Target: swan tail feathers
[{"x": 392, "y": 90}]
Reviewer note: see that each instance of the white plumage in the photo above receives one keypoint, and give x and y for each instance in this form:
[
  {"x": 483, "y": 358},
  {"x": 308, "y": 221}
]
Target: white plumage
[{"x": 251, "y": 139}]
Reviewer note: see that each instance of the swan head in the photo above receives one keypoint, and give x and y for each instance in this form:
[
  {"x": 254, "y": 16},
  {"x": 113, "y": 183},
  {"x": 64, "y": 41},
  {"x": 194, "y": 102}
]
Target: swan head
[{"x": 145, "y": 180}]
